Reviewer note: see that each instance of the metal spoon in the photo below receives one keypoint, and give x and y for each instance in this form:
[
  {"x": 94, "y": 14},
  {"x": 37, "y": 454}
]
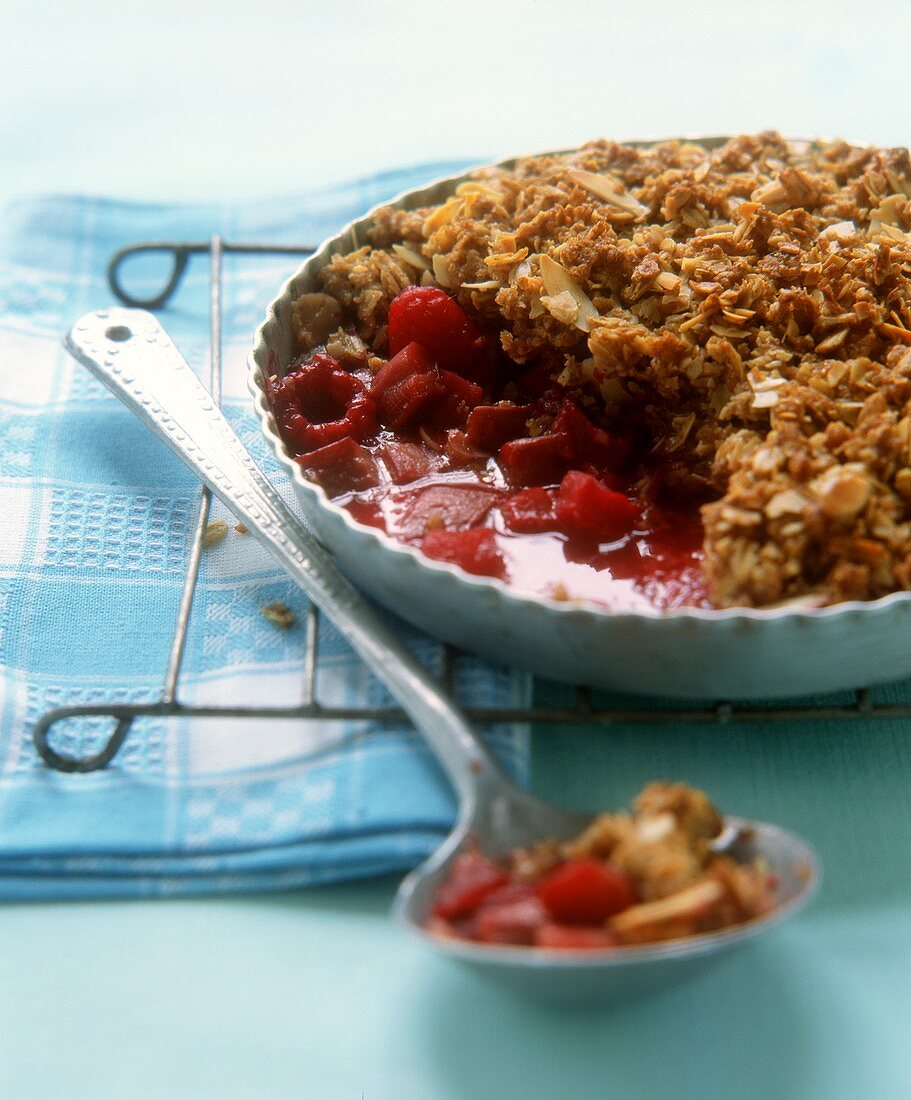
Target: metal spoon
[{"x": 133, "y": 356}]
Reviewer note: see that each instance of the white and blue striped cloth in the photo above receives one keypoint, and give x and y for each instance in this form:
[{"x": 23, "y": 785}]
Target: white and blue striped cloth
[{"x": 95, "y": 517}]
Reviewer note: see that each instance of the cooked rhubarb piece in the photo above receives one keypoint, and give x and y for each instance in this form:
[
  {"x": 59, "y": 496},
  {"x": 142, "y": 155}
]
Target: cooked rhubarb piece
[
  {"x": 341, "y": 467},
  {"x": 511, "y": 914},
  {"x": 568, "y": 937},
  {"x": 406, "y": 462},
  {"x": 472, "y": 878},
  {"x": 591, "y": 447},
  {"x": 452, "y": 408},
  {"x": 490, "y": 426},
  {"x": 475, "y": 551},
  {"x": 461, "y": 453},
  {"x": 406, "y": 386},
  {"x": 530, "y": 511},
  {"x": 540, "y": 461},
  {"x": 318, "y": 403},
  {"x": 585, "y": 891},
  {"x": 427, "y": 316},
  {"x": 453, "y": 507},
  {"x": 587, "y": 507}
]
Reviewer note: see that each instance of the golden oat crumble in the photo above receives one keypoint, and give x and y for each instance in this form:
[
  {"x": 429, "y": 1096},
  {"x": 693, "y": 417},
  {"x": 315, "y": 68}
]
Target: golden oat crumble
[
  {"x": 682, "y": 884},
  {"x": 752, "y": 301}
]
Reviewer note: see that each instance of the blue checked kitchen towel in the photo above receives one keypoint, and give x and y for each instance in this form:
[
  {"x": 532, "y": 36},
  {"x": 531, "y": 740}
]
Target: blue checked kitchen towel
[{"x": 95, "y": 517}]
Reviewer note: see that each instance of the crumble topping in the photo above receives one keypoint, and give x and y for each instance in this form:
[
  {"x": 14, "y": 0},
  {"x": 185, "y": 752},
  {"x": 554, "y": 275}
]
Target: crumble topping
[{"x": 751, "y": 303}]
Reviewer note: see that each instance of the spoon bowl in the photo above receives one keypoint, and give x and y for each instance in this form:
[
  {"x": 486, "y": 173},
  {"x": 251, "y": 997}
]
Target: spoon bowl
[{"x": 133, "y": 356}]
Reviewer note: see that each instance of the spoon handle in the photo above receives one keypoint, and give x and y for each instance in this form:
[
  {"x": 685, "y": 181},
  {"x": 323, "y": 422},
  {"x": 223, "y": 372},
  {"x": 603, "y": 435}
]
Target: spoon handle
[{"x": 129, "y": 351}]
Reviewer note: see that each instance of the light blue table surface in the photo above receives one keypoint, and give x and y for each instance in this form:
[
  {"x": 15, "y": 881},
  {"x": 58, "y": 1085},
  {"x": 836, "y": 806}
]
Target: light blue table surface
[{"x": 315, "y": 994}]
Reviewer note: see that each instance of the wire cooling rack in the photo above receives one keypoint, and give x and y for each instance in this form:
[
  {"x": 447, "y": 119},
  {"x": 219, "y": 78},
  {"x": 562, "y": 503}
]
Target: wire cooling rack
[{"x": 582, "y": 709}]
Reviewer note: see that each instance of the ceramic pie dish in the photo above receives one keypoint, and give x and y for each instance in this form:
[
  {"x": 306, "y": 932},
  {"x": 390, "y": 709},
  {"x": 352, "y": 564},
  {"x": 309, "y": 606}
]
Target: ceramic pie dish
[{"x": 686, "y": 652}]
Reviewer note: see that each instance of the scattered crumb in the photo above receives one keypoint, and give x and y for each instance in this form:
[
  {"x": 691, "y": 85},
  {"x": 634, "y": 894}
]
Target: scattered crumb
[
  {"x": 280, "y": 614},
  {"x": 241, "y": 529},
  {"x": 214, "y": 533}
]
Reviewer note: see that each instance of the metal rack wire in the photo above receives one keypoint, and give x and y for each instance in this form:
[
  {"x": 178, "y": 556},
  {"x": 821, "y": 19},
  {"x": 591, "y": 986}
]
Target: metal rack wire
[{"x": 582, "y": 710}]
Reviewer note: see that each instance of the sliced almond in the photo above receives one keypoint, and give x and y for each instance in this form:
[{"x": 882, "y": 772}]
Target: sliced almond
[
  {"x": 693, "y": 901},
  {"x": 768, "y": 382},
  {"x": 608, "y": 190},
  {"x": 885, "y": 232},
  {"x": 839, "y": 230},
  {"x": 486, "y": 284},
  {"x": 832, "y": 342},
  {"x": 668, "y": 281},
  {"x": 506, "y": 259},
  {"x": 843, "y": 492},
  {"x": 476, "y": 187},
  {"x": 443, "y": 215},
  {"x": 442, "y": 272},
  {"x": 563, "y": 307},
  {"x": 410, "y": 257},
  {"x": 680, "y": 429},
  {"x": 653, "y": 828},
  {"x": 557, "y": 280},
  {"x": 786, "y": 503},
  {"x": 766, "y": 400},
  {"x": 896, "y": 332},
  {"x": 771, "y": 193},
  {"x": 613, "y": 393}
]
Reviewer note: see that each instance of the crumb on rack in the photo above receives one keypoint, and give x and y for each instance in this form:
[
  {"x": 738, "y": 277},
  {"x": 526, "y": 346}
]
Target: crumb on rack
[
  {"x": 280, "y": 614},
  {"x": 214, "y": 533}
]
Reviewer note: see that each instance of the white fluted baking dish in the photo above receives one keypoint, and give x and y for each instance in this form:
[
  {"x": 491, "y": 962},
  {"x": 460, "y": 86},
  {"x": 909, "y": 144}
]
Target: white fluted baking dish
[{"x": 733, "y": 654}]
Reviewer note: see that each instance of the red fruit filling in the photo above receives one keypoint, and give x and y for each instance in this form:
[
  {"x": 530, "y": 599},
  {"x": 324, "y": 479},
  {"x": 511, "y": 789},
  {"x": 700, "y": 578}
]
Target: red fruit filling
[
  {"x": 585, "y": 891},
  {"x": 454, "y": 405},
  {"x": 406, "y": 386},
  {"x": 591, "y": 447},
  {"x": 427, "y": 316},
  {"x": 530, "y": 511},
  {"x": 540, "y": 461},
  {"x": 509, "y": 920},
  {"x": 407, "y": 462},
  {"x": 490, "y": 426},
  {"x": 448, "y": 507},
  {"x": 339, "y": 466},
  {"x": 460, "y": 452},
  {"x": 475, "y": 551},
  {"x": 436, "y": 449},
  {"x": 565, "y": 909},
  {"x": 472, "y": 878},
  {"x": 318, "y": 403},
  {"x": 587, "y": 507}
]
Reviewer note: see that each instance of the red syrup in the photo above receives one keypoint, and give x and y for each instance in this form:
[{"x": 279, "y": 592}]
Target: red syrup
[{"x": 657, "y": 565}]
